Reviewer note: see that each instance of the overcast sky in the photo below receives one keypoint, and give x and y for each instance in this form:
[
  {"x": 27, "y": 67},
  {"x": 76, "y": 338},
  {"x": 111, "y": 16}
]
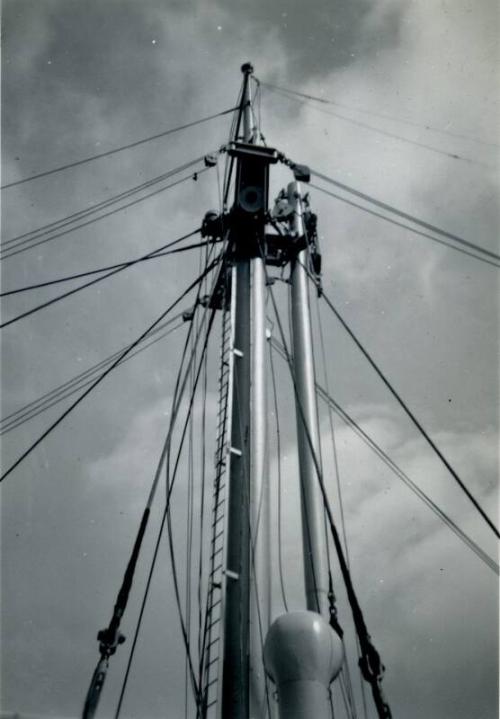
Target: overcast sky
[{"x": 80, "y": 78}]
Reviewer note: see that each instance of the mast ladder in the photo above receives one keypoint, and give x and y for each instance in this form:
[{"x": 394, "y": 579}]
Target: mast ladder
[{"x": 214, "y": 616}]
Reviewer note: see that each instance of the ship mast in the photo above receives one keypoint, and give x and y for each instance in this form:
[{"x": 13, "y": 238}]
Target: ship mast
[
  {"x": 247, "y": 574},
  {"x": 302, "y": 678}
]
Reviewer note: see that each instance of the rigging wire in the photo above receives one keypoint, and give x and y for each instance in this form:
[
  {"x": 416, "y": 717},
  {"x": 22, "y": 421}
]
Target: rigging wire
[
  {"x": 170, "y": 480},
  {"x": 66, "y": 392},
  {"x": 405, "y": 227},
  {"x": 385, "y": 133},
  {"x": 165, "y": 451},
  {"x": 119, "y": 268},
  {"x": 278, "y": 452},
  {"x": 340, "y": 499},
  {"x": 13, "y": 251},
  {"x": 245, "y": 498},
  {"x": 406, "y": 216},
  {"x": 345, "y": 674},
  {"x": 370, "y": 662},
  {"x": 332, "y": 432},
  {"x": 409, "y": 413},
  {"x": 136, "y": 143},
  {"x": 326, "y": 397},
  {"x": 306, "y": 523},
  {"x": 203, "y": 460},
  {"x": 326, "y": 101},
  {"x": 110, "y": 638},
  {"x": 109, "y": 369},
  {"x": 79, "y": 214},
  {"x": 179, "y": 389},
  {"x": 189, "y": 540},
  {"x": 445, "y": 518},
  {"x": 166, "y": 515},
  {"x": 235, "y": 129},
  {"x": 76, "y": 276}
]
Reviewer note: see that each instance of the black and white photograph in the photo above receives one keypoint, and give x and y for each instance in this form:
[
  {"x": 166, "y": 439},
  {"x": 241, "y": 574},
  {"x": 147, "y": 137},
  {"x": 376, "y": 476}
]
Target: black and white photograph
[{"x": 250, "y": 359}]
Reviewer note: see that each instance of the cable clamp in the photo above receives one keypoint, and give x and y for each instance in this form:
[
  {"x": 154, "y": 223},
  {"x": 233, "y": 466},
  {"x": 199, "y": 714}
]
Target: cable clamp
[{"x": 109, "y": 639}]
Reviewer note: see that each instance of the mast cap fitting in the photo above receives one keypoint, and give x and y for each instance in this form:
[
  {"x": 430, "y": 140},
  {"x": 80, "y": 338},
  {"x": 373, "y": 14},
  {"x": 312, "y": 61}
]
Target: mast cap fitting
[
  {"x": 247, "y": 68},
  {"x": 301, "y": 173}
]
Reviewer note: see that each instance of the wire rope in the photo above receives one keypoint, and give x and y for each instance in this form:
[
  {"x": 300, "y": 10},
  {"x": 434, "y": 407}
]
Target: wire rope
[
  {"x": 180, "y": 387},
  {"x": 77, "y": 275},
  {"x": 441, "y": 514},
  {"x": 406, "y": 216},
  {"x": 280, "y": 488},
  {"x": 410, "y": 414},
  {"x": 74, "y": 386},
  {"x": 370, "y": 661},
  {"x": 119, "y": 268},
  {"x": 28, "y": 236},
  {"x": 104, "y": 374},
  {"x": 339, "y": 494},
  {"x": 346, "y": 201},
  {"x": 108, "y": 153},
  {"x": 14, "y": 251},
  {"x": 384, "y": 133},
  {"x": 379, "y": 114},
  {"x": 110, "y": 638}
]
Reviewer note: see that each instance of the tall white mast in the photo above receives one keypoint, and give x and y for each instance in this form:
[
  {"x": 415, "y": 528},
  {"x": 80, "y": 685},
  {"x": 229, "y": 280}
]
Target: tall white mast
[
  {"x": 314, "y": 537},
  {"x": 247, "y": 580}
]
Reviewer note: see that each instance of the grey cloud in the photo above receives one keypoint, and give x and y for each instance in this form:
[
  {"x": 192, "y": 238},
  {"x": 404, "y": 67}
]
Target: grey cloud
[{"x": 318, "y": 37}]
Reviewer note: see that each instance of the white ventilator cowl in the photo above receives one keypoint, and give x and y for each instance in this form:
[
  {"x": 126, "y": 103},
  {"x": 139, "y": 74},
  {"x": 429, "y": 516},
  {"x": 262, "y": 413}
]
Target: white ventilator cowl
[{"x": 303, "y": 655}]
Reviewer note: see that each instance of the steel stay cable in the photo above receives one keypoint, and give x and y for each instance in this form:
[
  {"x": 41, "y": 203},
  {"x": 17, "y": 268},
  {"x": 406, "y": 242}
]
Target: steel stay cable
[
  {"x": 84, "y": 382},
  {"x": 176, "y": 401},
  {"x": 409, "y": 413},
  {"x": 55, "y": 391},
  {"x": 278, "y": 449},
  {"x": 108, "y": 370},
  {"x": 306, "y": 523},
  {"x": 326, "y": 397},
  {"x": 28, "y": 236},
  {"x": 385, "y": 133},
  {"x": 110, "y": 638},
  {"x": 166, "y": 511},
  {"x": 332, "y": 433},
  {"x": 348, "y": 681},
  {"x": 406, "y": 479},
  {"x": 76, "y": 276},
  {"x": 404, "y": 215},
  {"x": 227, "y": 178},
  {"x": 136, "y": 143},
  {"x": 371, "y": 661},
  {"x": 346, "y": 201},
  {"x": 15, "y": 251},
  {"x": 170, "y": 481},
  {"x": 119, "y": 268},
  {"x": 183, "y": 623},
  {"x": 347, "y": 690},
  {"x": 326, "y": 101}
]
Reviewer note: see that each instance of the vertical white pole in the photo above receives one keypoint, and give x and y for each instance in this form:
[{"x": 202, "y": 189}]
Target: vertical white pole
[
  {"x": 313, "y": 528},
  {"x": 247, "y": 582},
  {"x": 302, "y": 652},
  {"x": 260, "y": 583}
]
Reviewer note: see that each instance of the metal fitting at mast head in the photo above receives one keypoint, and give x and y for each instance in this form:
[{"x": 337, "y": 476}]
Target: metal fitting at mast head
[{"x": 247, "y": 68}]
